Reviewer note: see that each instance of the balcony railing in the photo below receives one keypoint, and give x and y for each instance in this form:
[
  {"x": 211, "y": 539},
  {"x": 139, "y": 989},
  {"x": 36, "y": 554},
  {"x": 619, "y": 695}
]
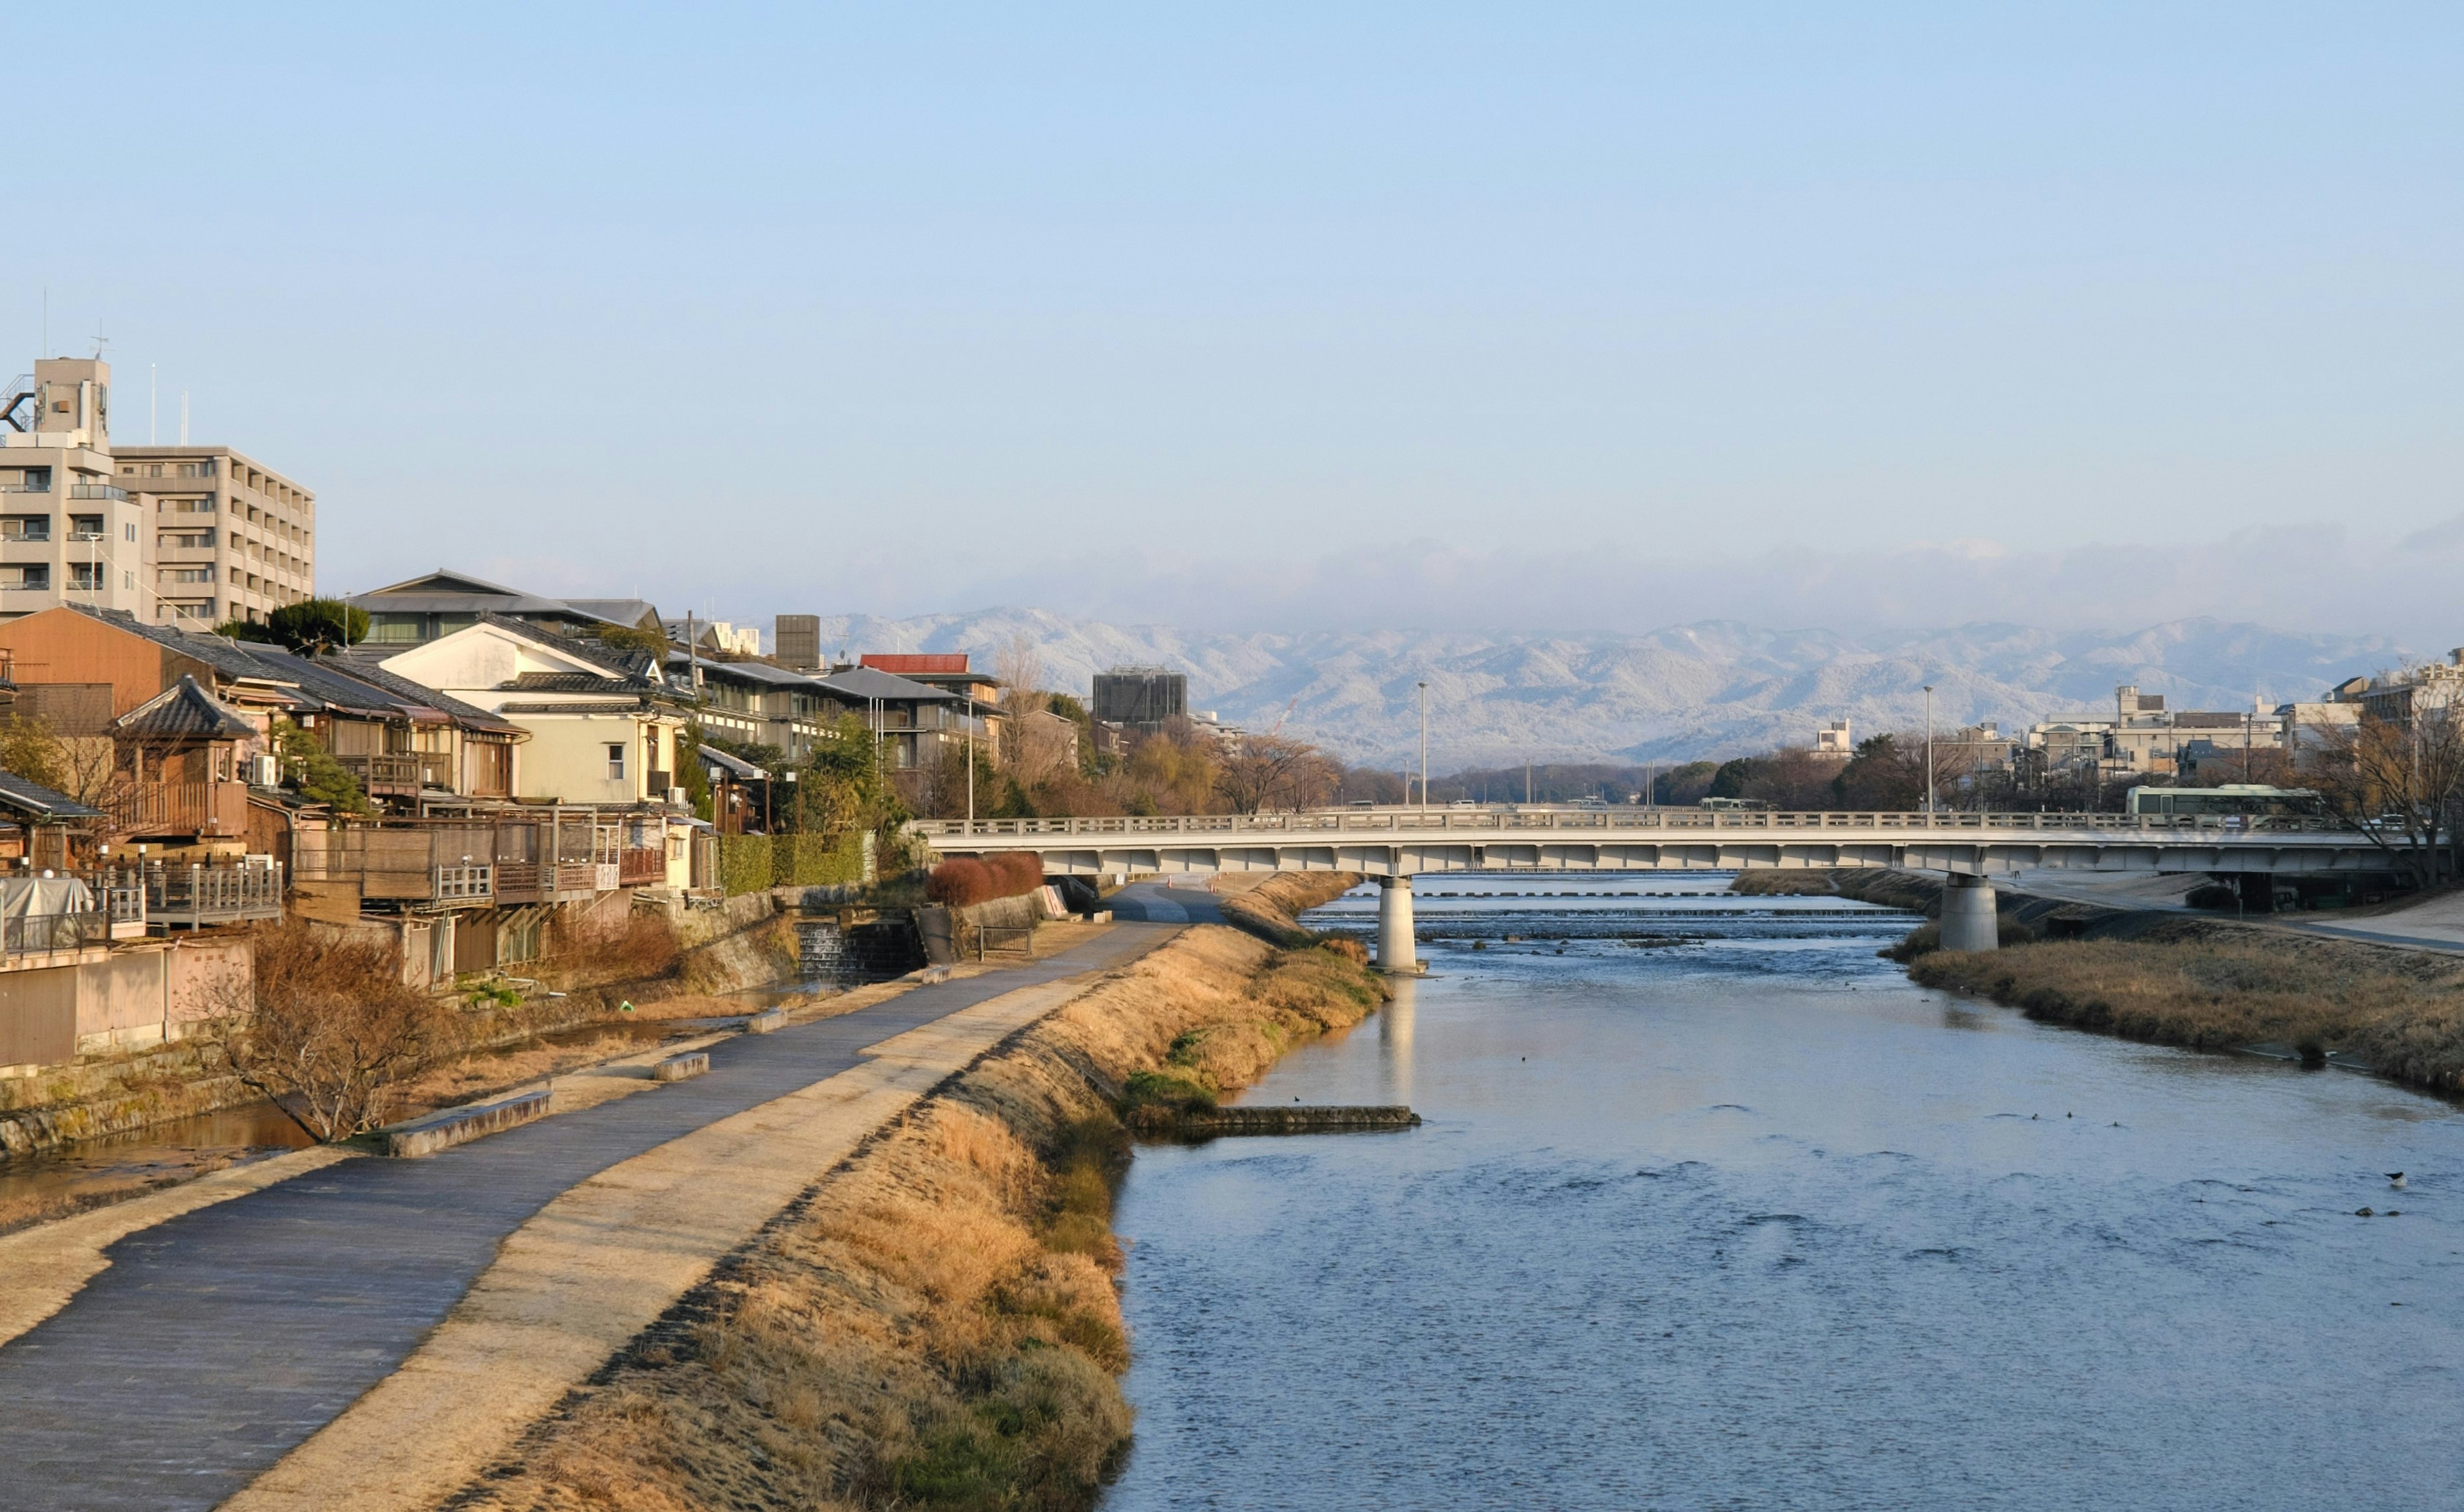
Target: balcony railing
[
  {"x": 191, "y": 897},
  {"x": 96, "y": 491},
  {"x": 403, "y": 774},
  {"x": 38, "y": 933},
  {"x": 181, "y": 808},
  {"x": 637, "y": 867}
]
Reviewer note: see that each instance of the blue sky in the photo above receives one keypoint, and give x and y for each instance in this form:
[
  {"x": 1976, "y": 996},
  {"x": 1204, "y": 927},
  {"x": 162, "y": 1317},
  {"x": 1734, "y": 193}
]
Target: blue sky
[{"x": 1514, "y": 317}]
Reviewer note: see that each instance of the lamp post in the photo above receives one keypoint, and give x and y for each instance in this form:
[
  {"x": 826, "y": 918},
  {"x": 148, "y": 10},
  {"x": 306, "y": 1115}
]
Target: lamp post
[
  {"x": 1424, "y": 745},
  {"x": 1929, "y": 691},
  {"x": 970, "y": 734}
]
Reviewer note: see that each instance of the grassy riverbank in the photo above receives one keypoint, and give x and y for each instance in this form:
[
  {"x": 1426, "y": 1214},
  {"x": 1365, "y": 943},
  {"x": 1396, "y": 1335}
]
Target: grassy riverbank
[
  {"x": 2213, "y": 985},
  {"x": 935, "y": 1325},
  {"x": 1269, "y": 909}
]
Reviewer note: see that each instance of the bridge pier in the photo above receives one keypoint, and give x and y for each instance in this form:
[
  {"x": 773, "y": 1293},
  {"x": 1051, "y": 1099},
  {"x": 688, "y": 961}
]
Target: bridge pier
[
  {"x": 1969, "y": 922},
  {"x": 1396, "y": 951}
]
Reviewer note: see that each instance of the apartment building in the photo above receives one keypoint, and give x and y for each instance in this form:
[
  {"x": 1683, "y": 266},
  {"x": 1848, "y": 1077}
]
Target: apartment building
[
  {"x": 183, "y": 535},
  {"x": 225, "y": 537},
  {"x": 67, "y": 535}
]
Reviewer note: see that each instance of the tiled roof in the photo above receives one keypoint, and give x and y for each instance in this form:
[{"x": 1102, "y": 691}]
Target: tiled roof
[
  {"x": 182, "y": 711},
  {"x": 37, "y": 801}
]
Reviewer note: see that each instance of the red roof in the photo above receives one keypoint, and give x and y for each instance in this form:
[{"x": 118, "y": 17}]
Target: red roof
[{"x": 904, "y": 664}]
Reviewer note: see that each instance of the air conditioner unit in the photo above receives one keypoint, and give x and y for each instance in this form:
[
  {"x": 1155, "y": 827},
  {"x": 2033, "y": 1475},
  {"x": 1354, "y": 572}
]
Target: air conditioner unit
[
  {"x": 265, "y": 770},
  {"x": 679, "y": 797}
]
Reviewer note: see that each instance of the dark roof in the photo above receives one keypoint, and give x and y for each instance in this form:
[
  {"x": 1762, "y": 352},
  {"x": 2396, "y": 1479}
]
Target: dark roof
[
  {"x": 448, "y": 592},
  {"x": 637, "y": 613},
  {"x": 577, "y": 682},
  {"x": 225, "y": 655},
  {"x": 680, "y": 667},
  {"x": 736, "y": 767},
  {"x": 596, "y": 706},
  {"x": 365, "y": 669},
  {"x": 37, "y": 801},
  {"x": 862, "y": 684},
  {"x": 183, "y": 712}
]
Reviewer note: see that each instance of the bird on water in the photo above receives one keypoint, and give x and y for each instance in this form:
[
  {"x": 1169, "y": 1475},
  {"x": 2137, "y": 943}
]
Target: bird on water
[{"x": 2395, "y": 1179}]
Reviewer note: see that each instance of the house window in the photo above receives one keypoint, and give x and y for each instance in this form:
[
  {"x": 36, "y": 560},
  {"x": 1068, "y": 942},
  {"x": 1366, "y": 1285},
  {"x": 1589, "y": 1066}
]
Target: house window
[
  {"x": 615, "y": 762},
  {"x": 26, "y": 526},
  {"x": 34, "y": 575},
  {"x": 86, "y": 576}
]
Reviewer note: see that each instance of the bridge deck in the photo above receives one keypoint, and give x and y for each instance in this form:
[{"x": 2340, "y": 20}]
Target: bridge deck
[{"x": 1393, "y": 842}]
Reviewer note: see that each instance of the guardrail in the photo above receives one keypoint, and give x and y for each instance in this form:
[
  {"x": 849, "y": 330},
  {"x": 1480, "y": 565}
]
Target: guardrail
[{"x": 1622, "y": 821}]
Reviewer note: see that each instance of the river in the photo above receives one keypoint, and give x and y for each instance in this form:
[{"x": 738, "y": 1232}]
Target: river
[{"x": 1749, "y": 1220}]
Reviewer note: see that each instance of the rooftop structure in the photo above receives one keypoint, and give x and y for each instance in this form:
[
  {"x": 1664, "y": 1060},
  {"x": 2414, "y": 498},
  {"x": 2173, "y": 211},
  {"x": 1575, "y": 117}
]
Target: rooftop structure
[{"x": 424, "y": 608}]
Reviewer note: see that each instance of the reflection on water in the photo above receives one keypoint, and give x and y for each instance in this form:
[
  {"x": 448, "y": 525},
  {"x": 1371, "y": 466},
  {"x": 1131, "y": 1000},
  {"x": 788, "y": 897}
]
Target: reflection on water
[{"x": 1752, "y": 1221}]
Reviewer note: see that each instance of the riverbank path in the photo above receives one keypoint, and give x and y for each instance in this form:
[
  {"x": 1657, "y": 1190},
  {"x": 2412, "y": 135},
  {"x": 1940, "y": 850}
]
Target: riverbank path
[{"x": 218, "y": 1341}]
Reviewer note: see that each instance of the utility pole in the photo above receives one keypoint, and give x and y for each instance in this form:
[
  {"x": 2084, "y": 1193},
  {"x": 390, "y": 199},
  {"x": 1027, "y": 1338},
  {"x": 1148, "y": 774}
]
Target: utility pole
[
  {"x": 971, "y": 758},
  {"x": 1424, "y": 745},
  {"x": 1929, "y": 691}
]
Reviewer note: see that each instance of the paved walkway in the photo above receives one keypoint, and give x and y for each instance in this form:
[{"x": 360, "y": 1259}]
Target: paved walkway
[
  {"x": 1183, "y": 900},
  {"x": 219, "y": 1340}
]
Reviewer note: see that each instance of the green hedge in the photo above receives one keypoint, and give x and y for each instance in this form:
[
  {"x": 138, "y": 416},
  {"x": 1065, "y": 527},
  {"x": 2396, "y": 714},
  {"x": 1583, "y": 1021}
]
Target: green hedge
[{"x": 752, "y": 863}]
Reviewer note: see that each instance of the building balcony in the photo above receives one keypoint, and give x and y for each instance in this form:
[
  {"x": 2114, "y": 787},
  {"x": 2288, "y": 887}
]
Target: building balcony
[
  {"x": 187, "y": 809},
  {"x": 402, "y": 775},
  {"x": 97, "y": 490}
]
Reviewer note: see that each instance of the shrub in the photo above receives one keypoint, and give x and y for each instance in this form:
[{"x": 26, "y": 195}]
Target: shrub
[
  {"x": 965, "y": 880},
  {"x": 959, "y": 882},
  {"x": 328, "y": 1029}
]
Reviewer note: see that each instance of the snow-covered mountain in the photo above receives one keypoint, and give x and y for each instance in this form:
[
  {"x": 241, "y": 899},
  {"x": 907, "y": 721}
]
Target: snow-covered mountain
[{"x": 1715, "y": 687}]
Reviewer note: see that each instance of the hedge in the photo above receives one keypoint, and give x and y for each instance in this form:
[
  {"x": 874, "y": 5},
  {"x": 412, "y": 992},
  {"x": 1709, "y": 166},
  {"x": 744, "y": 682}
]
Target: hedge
[{"x": 753, "y": 863}]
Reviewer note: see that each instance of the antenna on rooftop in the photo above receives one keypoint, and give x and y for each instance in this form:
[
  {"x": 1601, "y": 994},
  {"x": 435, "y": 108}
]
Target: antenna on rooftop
[{"x": 100, "y": 341}]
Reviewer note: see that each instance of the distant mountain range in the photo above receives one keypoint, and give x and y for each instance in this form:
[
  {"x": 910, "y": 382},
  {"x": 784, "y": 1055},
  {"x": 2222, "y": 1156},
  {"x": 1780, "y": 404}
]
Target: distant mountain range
[{"x": 1712, "y": 689}]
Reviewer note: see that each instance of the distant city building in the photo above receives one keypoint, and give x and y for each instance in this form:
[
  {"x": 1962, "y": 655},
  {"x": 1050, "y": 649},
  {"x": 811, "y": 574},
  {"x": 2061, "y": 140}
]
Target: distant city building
[
  {"x": 2394, "y": 699},
  {"x": 1835, "y": 740},
  {"x": 795, "y": 640},
  {"x": 2142, "y": 737},
  {"x": 1141, "y": 697},
  {"x": 186, "y": 535}
]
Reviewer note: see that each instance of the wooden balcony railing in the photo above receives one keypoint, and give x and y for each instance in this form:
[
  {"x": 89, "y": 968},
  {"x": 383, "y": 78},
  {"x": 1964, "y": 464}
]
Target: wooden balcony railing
[
  {"x": 638, "y": 866},
  {"x": 180, "y": 808},
  {"x": 400, "y": 775}
]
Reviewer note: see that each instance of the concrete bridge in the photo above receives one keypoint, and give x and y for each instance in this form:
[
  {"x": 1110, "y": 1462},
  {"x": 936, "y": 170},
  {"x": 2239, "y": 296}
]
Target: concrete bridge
[{"x": 1394, "y": 846}]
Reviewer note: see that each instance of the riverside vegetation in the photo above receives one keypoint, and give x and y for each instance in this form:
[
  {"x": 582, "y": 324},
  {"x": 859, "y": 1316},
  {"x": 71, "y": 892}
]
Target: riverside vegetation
[
  {"x": 2207, "y": 984},
  {"x": 935, "y": 1325}
]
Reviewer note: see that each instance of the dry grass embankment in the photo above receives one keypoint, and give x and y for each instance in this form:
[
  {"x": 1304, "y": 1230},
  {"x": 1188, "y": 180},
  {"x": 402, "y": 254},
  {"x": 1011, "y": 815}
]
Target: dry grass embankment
[
  {"x": 1269, "y": 909},
  {"x": 2220, "y": 986},
  {"x": 935, "y": 1325}
]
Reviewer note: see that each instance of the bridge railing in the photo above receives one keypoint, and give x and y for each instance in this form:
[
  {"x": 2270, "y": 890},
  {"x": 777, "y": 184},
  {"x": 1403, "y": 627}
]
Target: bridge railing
[{"x": 1334, "y": 824}]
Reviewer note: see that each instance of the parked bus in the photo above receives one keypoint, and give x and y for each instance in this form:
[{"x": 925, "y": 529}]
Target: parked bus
[{"x": 2246, "y": 799}]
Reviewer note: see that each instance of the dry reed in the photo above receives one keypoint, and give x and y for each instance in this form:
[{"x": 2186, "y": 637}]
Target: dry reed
[
  {"x": 934, "y": 1325},
  {"x": 2214, "y": 986}
]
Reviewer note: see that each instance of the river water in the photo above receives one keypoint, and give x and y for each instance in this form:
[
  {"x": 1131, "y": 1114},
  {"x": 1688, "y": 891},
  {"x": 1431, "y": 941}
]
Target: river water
[{"x": 1714, "y": 1209}]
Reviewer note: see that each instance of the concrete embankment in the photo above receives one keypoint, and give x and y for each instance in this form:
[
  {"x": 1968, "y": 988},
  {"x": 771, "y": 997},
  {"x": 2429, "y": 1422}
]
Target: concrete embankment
[
  {"x": 2204, "y": 983},
  {"x": 934, "y": 1323}
]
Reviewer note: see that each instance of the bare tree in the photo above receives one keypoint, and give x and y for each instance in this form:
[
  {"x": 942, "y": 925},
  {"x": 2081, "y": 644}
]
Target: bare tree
[
  {"x": 1020, "y": 666},
  {"x": 2400, "y": 783},
  {"x": 326, "y": 1030},
  {"x": 1275, "y": 772}
]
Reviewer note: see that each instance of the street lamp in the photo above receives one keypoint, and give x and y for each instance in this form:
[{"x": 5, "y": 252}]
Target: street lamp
[
  {"x": 1928, "y": 688},
  {"x": 1424, "y": 745}
]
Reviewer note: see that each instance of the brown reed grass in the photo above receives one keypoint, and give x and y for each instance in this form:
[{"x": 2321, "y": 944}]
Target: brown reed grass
[{"x": 2213, "y": 986}]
